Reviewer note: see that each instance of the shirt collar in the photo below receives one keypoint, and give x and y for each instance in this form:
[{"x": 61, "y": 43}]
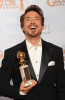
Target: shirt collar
[{"x": 29, "y": 45}]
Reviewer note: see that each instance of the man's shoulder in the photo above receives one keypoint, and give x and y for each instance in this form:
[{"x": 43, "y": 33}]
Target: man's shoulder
[{"x": 50, "y": 45}]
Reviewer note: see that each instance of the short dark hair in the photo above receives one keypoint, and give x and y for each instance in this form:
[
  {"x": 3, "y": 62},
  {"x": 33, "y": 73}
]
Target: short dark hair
[{"x": 32, "y": 8}]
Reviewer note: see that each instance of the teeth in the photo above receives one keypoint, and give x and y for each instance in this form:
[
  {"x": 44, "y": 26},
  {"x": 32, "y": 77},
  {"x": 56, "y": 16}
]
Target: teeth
[{"x": 32, "y": 27}]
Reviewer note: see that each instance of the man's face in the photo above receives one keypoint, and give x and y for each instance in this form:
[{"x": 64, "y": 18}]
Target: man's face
[{"x": 32, "y": 24}]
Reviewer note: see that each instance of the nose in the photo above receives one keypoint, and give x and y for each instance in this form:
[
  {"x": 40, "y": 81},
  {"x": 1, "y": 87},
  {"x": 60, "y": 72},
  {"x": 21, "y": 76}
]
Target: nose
[{"x": 32, "y": 21}]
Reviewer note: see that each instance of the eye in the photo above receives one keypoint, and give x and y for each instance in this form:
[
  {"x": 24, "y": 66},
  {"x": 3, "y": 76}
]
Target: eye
[
  {"x": 28, "y": 19},
  {"x": 36, "y": 18}
]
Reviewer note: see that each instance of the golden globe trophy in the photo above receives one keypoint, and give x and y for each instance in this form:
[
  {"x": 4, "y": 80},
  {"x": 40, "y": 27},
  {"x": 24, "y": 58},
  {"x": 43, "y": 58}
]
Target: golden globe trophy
[{"x": 24, "y": 69}]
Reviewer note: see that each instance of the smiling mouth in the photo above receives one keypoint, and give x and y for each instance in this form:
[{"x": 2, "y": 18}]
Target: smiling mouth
[{"x": 33, "y": 28}]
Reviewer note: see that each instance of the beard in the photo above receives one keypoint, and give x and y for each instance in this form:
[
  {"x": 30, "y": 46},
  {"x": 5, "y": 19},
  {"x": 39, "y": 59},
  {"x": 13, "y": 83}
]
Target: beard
[{"x": 33, "y": 34}]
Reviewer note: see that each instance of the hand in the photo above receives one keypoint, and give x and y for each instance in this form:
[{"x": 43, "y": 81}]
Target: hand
[{"x": 25, "y": 90}]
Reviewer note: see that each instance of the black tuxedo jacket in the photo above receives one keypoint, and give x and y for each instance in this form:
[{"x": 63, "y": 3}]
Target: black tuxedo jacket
[{"x": 51, "y": 83}]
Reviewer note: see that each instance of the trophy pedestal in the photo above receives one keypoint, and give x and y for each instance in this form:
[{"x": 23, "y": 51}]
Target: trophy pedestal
[{"x": 25, "y": 74}]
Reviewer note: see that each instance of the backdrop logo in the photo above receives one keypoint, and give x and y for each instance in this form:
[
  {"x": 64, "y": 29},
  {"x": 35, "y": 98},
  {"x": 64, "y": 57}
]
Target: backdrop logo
[
  {"x": 52, "y": 3},
  {"x": 64, "y": 54},
  {"x": 11, "y": 4},
  {"x": 46, "y": 29},
  {"x": 21, "y": 5},
  {"x": 1, "y": 57}
]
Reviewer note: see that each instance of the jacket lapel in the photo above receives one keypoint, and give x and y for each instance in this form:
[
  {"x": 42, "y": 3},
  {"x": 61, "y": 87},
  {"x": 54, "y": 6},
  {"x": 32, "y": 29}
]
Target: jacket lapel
[{"x": 44, "y": 61}]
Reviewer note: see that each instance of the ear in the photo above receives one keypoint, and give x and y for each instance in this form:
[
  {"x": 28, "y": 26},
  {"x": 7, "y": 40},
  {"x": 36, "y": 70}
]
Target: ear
[{"x": 22, "y": 28}]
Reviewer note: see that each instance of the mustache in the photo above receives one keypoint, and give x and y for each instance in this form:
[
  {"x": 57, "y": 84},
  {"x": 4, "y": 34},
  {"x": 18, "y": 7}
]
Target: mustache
[{"x": 32, "y": 25}]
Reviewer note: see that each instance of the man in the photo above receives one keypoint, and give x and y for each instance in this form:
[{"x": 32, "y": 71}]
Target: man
[{"x": 44, "y": 59}]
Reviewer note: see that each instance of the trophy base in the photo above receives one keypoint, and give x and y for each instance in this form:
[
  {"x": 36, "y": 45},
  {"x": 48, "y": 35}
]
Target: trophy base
[{"x": 28, "y": 83}]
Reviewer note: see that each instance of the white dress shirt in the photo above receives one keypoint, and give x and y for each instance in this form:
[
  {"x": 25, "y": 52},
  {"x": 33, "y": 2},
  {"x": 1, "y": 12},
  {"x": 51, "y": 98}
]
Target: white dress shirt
[{"x": 35, "y": 54}]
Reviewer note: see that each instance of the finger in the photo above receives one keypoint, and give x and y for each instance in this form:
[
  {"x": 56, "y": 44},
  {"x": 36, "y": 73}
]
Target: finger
[
  {"x": 33, "y": 82},
  {"x": 22, "y": 85},
  {"x": 31, "y": 86}
]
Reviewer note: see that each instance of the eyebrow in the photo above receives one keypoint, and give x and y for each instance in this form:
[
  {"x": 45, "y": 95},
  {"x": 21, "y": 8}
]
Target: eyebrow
[
  {"x": 34, "y": 17},
  {"x": 28, "y": 17},
  {"x": 37, "y": 17}
]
